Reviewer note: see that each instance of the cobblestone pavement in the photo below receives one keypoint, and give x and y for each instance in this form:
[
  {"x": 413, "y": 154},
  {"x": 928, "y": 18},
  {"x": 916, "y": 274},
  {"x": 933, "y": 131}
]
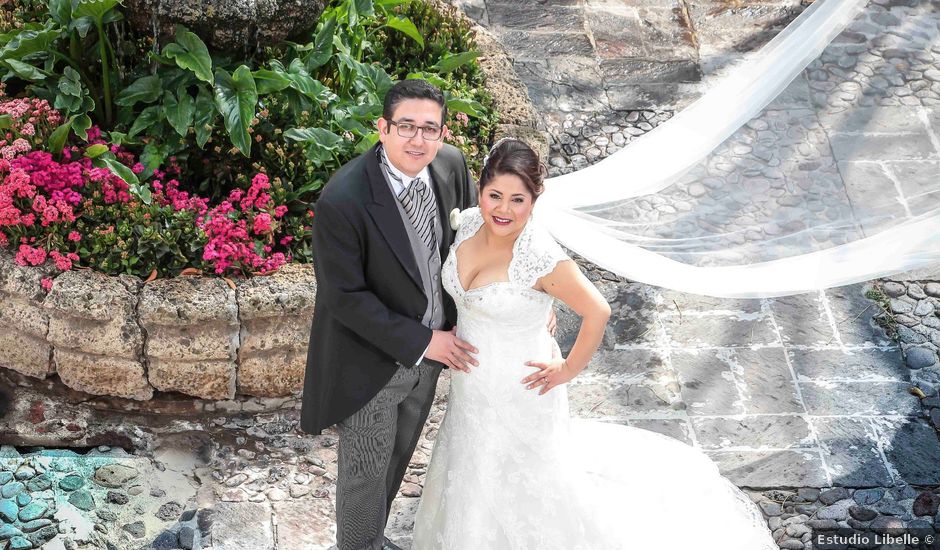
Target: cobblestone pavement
[{"x": 823, "y": 406}]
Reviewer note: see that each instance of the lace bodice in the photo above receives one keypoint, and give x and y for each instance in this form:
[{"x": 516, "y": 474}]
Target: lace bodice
[{"x": 512, "y": 303}]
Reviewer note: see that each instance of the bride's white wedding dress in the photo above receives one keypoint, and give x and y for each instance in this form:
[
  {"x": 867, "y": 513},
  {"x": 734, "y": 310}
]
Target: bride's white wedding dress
[{"x": 510, "y": 471}]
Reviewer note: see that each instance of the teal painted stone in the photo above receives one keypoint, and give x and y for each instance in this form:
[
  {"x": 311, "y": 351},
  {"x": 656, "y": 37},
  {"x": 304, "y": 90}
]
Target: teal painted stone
[
  {"x": 33, "y": 511},
  {"x": 9, "y": 451},
  {"x": 19, "y": 543},
  {"x": 23, "y": 499},
  {"x": 59, "y": 453},
  {"x": 35, "y": 525},
  {"x": 11, "y": 489},
  {"x": 82, "y": 500},
  {"x": 71, "y": 482},
  {"x": 39, "y": 483},
  {"x": 7, "y": 532},
  {"x": 5, "y": 477},
  {"x": 24, "y": 472},
  {"x": 8, "y": 510}
]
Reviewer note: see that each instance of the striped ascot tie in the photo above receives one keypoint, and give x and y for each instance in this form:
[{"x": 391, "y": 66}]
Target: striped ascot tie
[{"x": 418, "y": 204}]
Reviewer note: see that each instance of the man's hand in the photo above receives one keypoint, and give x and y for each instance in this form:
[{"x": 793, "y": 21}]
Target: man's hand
[{"x": 450, "y": 350}]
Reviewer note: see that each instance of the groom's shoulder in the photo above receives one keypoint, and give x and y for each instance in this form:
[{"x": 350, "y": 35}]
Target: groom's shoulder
[
  {"x": 348, "y": 184},
  {"x": 450, "y": 155}
]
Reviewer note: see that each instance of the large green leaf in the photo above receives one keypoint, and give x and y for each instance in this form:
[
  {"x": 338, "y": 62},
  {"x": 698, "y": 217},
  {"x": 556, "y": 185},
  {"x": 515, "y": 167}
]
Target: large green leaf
[
  {"x": 190, "y": 53},
  {"x": 94, "y": 9},
  {"x": 322, "y": 46},
  {"x": 321, "y": 136},
  {"x": 453, "y": 61},
  {"x": 301, "y": 81},
  {"x": 389, "y": 4},
  {"x": 25, "y": 70},
  {"x": 434, "y": 79},
  {"x": 148, "y": 117},
  {"x": 96, "y": 150},
  {"x": 30, "y": 41},
  {"x": 179, "y": 109},
  {"x": 153, "y": 156},
  {"x": 120, "y": 170},
  {"x": 71, "y": 96},
  {"x": 320, "y": 142},
  {"x": 405, "y": 25},
  {"x": 59, "y": 135},
  {"x": 80, "y": 126},
  {"x": 365, "y": 8},
  {"x": 204, "y": 117},
  {"x": 270, "y": 81},
  {"x": 369, "y": 78},
  {"x": 469, "y": 107},
  {"x": 237, "y": 97},
  {"x": 60, "y": 11},
  {"x": 146, "y": 89}
]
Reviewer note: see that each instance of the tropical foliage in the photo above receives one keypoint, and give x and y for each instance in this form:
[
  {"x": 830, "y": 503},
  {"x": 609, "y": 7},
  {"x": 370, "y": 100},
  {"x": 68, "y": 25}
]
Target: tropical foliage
[{"x": 186, "y": 133}]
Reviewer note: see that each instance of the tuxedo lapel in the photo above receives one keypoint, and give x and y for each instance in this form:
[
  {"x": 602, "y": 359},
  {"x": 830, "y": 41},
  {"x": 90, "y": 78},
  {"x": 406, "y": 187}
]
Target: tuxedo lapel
[
  {"x": 384, "y": 211},
  {"x": 444, "y": 192}
]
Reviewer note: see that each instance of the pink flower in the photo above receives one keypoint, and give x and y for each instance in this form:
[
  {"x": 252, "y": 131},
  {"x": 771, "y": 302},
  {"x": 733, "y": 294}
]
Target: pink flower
[
  {"x": 74, "y": 236},
  {"x": 46, "y": 283},
  {"x": 287, "y": 240},
  {"x": 63, "y": 261},
  {"x": 28, "y": 255},
  {"x": 28, "y": 130},
  {"x": 262, "y": 224},
  {"x": 280, "y": 211},
  {"x": 137, "y": 168}
]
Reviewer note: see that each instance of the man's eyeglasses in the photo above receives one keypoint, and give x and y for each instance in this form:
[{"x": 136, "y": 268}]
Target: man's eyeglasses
[{"x": 409, "y": 130}]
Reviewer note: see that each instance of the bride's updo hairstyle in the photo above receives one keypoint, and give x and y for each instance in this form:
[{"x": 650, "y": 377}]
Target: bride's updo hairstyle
[{"x": 511, "y": 156}]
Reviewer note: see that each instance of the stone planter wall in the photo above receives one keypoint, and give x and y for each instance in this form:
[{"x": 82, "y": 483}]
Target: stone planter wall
[{"x": 120, "y": 337}]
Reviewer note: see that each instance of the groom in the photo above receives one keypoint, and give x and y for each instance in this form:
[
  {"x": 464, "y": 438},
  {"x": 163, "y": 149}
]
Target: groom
[{"x": 382, "y": 323}]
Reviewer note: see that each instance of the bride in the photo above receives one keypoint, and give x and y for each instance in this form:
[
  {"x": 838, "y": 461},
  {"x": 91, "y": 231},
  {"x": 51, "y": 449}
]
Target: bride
[{"x": 510, "y": 470}]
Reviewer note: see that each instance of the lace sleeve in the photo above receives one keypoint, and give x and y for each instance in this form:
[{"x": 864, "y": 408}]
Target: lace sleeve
[
  {"x": 470, "y": 222},
  {"x": 535, "y": 254}
]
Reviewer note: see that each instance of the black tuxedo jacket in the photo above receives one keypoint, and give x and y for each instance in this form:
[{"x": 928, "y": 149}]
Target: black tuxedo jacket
[{"x": 370, "y": 300}]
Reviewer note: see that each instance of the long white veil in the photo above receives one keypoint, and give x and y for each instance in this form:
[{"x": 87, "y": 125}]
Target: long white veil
[{"x": 814, "y": 163}]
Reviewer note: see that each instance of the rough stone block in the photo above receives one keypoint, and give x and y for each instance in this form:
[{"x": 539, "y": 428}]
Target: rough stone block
[
  {"x": 206, "y": 379},
  {"x": 276, "y": 312},
  {"x": 22, "y": 281},
  {"x": 274, "y": 373},
  {"x": 102, "y": 375},
  {"x": 25, "y": 354},
  {"x": 509, "y": 95},
  {"x": 23, "y": 315},
  {"x": 192, "y": 335},
  {"x": 95, "y": 313}
]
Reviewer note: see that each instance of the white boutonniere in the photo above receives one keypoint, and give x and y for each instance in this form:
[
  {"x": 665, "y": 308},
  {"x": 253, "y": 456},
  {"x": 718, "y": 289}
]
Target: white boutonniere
[{"x": 455, "y": 219}]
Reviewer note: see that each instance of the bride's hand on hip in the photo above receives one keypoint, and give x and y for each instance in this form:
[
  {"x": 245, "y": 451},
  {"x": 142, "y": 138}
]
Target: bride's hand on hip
[{"x": 550, "y": 374}]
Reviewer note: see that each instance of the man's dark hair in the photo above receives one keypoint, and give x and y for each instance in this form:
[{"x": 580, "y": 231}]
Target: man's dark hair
[{"x": 413, "y": 88}]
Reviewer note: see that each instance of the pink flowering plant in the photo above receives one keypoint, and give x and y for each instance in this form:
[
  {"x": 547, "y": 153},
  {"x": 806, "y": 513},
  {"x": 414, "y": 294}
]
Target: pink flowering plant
[{"x": 71, "y": 213}]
